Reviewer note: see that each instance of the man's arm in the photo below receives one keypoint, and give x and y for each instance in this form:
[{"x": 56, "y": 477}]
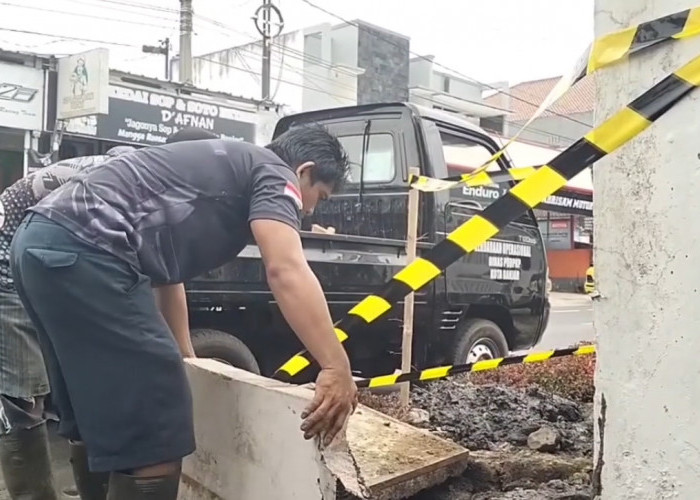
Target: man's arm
[
  {"x": 172, "y": 302},
  {"x": 302, "y": 302}
]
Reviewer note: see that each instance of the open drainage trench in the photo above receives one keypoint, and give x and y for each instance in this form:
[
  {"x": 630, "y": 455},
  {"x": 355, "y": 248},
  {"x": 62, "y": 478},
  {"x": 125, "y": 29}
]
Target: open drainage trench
[{"x": 524, "y": 443}]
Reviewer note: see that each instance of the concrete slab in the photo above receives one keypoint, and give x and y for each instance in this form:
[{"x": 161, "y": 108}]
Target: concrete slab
[
  {"x": 397, "y": 460},
  {"x": 250, "y": 447}
]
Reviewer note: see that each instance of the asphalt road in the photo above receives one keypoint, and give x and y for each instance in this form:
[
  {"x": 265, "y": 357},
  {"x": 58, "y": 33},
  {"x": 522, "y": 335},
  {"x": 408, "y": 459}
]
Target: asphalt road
[{"x": 570, "y": 322}]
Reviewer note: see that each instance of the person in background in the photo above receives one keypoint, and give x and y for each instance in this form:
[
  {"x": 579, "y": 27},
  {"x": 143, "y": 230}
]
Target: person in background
[
  {"x": 24, "y": 385},
  {"x": 88, "y": 258}
]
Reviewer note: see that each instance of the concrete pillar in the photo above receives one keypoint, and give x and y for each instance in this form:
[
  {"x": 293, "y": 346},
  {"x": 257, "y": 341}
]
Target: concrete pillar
[{"x": 647, "y": 250}]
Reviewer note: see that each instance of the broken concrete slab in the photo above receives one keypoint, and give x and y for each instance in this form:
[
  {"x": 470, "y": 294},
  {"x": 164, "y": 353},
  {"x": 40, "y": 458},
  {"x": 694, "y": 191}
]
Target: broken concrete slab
[
  {"x": 397, "y": 460},
  {"x": 250, "y": 447}
]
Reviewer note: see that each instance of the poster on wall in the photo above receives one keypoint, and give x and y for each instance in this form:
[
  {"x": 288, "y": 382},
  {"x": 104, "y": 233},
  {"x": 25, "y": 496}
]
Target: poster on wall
[
  {"x": 83, "y": 84},
  {"x": 558, "y": 236},
  {"x": 21, "y": 97},
  {"x": 140, "y": 116}
]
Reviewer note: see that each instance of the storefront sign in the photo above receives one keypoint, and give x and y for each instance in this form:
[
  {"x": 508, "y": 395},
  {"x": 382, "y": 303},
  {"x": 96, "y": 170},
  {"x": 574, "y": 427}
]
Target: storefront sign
[
  {"x": 143, "y": 117},
  {"x": 83, "y": 84},
  {"x": 564, "y": 201},
  {"x": 557, "y": 234},
  {"x": 21, "y": 97}
]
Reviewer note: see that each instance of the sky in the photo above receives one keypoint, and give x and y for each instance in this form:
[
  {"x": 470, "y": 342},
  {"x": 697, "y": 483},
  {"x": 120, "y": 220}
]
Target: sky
[{"x": 489, "y": 40}]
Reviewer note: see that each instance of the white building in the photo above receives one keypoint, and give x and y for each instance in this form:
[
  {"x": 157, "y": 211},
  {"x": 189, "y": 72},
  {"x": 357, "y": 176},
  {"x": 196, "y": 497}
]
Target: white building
[{"x": 328, "y": 66}]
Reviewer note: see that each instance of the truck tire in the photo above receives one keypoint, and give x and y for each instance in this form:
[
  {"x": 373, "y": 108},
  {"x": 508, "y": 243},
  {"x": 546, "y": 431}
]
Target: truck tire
[
  {"x": 479, "y": 339},
  {"x": 224, "y": 347}
]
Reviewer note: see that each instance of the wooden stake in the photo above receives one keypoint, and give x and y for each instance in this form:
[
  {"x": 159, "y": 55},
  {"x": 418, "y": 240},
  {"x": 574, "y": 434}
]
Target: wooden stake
[{"x": 411, "y": 238}]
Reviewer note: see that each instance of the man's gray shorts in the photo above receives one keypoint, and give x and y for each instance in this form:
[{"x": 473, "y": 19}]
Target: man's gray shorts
[
  {"x": 22, "y": 370},
  {"x": 23, "y": 377}
]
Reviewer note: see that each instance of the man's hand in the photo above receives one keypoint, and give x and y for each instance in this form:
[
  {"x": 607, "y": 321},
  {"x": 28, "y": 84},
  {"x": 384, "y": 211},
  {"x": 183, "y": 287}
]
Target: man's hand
[
  {"x": 172, "y": 302},
  {"x": 334, "y": 401}
]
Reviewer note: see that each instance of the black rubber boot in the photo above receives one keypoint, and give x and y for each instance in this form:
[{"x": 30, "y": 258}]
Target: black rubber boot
[
  {"x": 125, "y": 487},
  {"x": 26, "y": 464},
  {"x": 90, "y": 485}
]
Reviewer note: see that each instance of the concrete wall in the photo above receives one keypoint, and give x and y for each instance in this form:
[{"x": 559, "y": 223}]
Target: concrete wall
[
  {"x": 420, "y": 72},
  {"x": 647, "y": 246},
  {"x": 327, "y": 84},
  {"x": 463, "y": 89},
  {"x": 249, "y": 446},
  {"x": 385, "y": 58},
  {"x": 567, "y": 269},
  {"x": 554, "y": 131},
  {"x": 237, "y": 70}
]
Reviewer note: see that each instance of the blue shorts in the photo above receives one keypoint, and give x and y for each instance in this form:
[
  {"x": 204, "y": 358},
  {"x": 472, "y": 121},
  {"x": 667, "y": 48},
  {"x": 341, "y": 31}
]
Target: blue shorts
[{"x": 116, "y": 373}]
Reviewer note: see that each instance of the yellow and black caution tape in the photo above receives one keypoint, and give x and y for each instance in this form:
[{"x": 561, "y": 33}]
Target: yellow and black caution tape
[
  {"x": 527, "y": 194},
  {"x": 430, "y": 184},
  {"x": 610, "y": 49},
  {"x": 442, "y": 372}
]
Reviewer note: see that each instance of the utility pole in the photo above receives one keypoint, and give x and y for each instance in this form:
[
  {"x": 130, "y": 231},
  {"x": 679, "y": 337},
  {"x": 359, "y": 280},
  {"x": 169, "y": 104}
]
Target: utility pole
[
  {"x": 647, "y": 246},
  {"x": 186, "y": 41},
  {"x": 263, "y": 23},
  {"x": 266, "y": 49},
  {"x": 409, "y": 301},
  {"x": 163, "y": 49}
]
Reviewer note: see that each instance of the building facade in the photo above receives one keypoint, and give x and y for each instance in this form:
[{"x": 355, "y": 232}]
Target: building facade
[
  {"x": 23, "y": 96},
  {"x": 561, "y": 125},
  {"x": 144, "y": 112}
]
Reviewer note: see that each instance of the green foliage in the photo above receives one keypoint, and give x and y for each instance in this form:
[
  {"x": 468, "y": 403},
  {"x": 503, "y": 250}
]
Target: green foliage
[{"x": 570, "y": 377}]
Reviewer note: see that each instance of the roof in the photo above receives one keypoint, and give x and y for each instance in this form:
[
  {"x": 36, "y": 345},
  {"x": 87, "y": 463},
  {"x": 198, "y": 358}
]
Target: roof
[{"x": 578, "y": 99}]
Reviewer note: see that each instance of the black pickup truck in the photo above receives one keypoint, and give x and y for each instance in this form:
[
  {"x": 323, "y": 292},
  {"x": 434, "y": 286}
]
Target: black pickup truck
[{"x": 487, "y": 303}]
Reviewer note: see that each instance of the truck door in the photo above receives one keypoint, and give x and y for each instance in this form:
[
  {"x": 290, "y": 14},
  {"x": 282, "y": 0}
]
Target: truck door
[{"x": 509, "y": 271}]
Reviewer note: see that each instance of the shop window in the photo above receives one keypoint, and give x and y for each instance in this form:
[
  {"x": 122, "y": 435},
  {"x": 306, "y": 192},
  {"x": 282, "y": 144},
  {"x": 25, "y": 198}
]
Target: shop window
[
  {"x": 74, "y": 148},
  {"x": 11, "y": 168},
  {"x": 379, "y": 161}
]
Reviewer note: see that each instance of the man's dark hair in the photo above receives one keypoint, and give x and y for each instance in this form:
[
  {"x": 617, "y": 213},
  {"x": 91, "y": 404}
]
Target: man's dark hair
[
  {"x": 190, "y": 134},
  {"x": 313, "y": 143}
]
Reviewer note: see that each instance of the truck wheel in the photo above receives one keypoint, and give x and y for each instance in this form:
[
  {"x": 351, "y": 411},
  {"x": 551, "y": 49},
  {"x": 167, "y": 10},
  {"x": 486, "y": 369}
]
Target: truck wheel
[
  {"x": 479, "y": 339},
  {"x": 224, "y": 347}
]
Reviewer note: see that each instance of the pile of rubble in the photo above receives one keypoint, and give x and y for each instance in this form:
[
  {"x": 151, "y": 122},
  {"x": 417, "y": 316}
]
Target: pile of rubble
[
  {"x": 486, "y": 417},
  {"x": 525, "y": 444}
]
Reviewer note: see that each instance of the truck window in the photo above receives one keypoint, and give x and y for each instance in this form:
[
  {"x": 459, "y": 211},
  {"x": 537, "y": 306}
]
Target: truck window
[
  {"x": 380, "y": 166},
  {"x": 464, "y": 155}
]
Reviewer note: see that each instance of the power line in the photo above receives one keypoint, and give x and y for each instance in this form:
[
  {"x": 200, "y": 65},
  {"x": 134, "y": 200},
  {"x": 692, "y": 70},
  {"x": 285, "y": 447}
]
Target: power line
[
  {"x": 303, "y": 56},
  {"x": 310, "y": 77},
  {"x": 66, "y": 37},
  {"x": 128, "y": 11},
  {"x": 284, "y": 81},
  {"x": 294, "y": 53},
  {"x": 89, "y": 16},
  {"x": 138, "y": 5},
  {"x": 458, "y": 73}
]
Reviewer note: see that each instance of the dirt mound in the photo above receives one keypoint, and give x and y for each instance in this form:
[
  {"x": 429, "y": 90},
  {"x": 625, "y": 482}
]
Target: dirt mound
[{"x": 487, "y": 416}]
